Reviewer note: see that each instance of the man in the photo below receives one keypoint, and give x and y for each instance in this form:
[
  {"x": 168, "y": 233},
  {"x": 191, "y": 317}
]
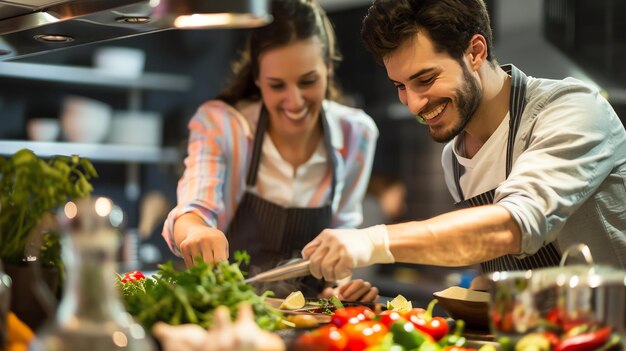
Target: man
[{"x": 536, "y": 165}]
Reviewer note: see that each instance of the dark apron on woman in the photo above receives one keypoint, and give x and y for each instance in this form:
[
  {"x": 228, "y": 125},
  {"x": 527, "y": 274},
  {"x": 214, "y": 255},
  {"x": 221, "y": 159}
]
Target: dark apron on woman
[
  {"x": 548, "y": 255},
  {"x": 271, "y": 233}
]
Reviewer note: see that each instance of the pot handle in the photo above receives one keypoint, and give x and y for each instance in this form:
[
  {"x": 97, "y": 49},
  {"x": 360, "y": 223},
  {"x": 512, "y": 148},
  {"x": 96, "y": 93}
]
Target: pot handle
[{"x": 581, "y": 249}]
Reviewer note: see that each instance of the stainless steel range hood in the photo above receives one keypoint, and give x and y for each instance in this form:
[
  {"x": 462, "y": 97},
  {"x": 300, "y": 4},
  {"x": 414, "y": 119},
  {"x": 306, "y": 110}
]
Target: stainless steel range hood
[{"x": 31, "y": 27}]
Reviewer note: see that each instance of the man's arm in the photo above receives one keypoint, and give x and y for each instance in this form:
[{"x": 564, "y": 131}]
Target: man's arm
[{"x": 456, "y": 238}]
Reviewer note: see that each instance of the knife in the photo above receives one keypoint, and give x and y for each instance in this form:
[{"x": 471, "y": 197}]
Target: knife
[{"x": 293, "y": 269}]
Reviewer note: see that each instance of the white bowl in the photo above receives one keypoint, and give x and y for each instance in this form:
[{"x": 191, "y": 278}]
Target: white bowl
[
  {"x": 43, "y": 129},
  {"x": 141, "y": 128},
  {"x": 120, "y": 61},
  {"x": 85, "y": 120}
]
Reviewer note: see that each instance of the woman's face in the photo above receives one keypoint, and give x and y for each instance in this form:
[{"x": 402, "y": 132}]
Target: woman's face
[{"x": 293, "y": 80}]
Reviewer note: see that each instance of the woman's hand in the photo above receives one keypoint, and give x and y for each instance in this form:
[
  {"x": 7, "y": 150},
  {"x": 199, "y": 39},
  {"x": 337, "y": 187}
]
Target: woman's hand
[
  {"x": 202, "y": 241},
  {"x": 354, "y": 290},
  {"x": 243, "y": 334}
]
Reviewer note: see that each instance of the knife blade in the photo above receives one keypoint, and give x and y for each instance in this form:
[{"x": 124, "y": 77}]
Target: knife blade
[{"x": 293, "y": 269}]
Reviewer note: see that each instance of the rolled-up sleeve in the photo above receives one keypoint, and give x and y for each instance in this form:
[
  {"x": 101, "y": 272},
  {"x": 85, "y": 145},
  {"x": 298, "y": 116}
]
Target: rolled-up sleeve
[{"x": 568, "y": 152}]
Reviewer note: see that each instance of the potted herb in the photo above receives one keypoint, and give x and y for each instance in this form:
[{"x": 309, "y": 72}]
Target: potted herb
[{"x": 31, "y": 190}]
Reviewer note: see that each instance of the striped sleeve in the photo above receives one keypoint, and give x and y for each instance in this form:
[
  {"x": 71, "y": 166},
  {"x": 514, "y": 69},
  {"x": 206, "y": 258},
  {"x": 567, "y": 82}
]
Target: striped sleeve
[
  {"x": 212, "y": 182},
  {"x": 360, "y": 136}
]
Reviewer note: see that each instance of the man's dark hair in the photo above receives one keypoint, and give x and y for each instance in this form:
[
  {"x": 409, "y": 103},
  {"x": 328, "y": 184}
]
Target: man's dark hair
[{"x": 449, "y": 23}]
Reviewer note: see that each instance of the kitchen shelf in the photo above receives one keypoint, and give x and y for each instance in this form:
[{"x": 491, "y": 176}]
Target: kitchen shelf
[
  {"x": 94, "y": 77},
  {"x": 95, "y": 152}
]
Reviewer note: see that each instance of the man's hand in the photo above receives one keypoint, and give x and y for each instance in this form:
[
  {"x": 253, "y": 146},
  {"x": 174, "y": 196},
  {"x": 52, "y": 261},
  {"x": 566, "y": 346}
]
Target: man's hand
[
  {"x": 202, "y": 241},
  {"x": 354, "y": 290},
  {"x": 336, "y": 252}
]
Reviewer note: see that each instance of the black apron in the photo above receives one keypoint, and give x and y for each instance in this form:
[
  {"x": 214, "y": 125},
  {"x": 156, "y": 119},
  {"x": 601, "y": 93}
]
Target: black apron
[
  {"x": 271, "y": 233},
  {"x": 548, "y": 255}
]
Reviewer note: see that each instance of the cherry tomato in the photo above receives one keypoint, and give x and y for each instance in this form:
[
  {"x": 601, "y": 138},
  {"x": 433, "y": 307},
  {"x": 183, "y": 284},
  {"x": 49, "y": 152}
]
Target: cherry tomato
[
  {"x": 351, "y": 315},
  {"x": 326, "y": 338},
  {"x": 389, "y": 317},
  {"x": 364, "y": 334},
  {"x": 133, "y": 276}
]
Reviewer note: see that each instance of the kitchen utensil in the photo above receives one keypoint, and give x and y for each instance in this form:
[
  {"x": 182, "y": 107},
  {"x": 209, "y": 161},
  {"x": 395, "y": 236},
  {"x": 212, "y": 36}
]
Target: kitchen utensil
[
  {"x": 523, "y": 301},
  {"x": 469, "y": 305},
  {"x": 43, "y": 129},
  {"x": 120, "y": 61},
  {"x": 292, "y": 269},
  {"x": 85, "y": 120},
  {"x": 126, "y": 124}
]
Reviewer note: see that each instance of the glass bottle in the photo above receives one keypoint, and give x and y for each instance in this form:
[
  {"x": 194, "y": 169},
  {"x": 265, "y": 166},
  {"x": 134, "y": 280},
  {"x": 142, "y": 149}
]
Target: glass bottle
[{"x": 91, "y": 315}]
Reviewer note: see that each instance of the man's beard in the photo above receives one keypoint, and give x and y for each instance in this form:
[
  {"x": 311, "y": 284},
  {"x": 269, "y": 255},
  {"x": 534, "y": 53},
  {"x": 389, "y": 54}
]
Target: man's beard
[{"x": 468, "y": 98}]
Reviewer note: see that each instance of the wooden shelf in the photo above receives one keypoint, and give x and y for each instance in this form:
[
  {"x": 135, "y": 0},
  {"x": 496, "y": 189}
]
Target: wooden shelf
[{"x": 94, "y": 152}]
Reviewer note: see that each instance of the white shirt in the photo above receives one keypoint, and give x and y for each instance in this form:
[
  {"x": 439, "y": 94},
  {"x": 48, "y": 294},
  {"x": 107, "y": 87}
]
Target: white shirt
[
  {"x": 568, "y": 179},
  {"x": 487, "y": 169},
  {"x": 278, "y": 182}
]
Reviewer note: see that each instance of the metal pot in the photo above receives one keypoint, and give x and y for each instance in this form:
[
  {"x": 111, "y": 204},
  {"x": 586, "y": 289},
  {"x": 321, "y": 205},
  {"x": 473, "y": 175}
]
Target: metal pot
[{"x": 527, "y": 301}]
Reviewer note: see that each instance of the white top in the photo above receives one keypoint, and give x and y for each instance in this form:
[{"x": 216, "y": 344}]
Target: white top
[
  {"x": 568, "y": 179},
  {"x": 487, "y": 168},
  {"x": 280, "y": 183}
]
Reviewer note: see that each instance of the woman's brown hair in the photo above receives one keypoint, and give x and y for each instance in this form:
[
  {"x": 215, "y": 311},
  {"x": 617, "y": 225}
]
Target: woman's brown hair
[{"x": 293, "y": 20}]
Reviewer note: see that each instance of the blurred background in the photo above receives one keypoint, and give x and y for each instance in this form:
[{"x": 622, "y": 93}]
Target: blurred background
[{"x": 178, "y": 70}]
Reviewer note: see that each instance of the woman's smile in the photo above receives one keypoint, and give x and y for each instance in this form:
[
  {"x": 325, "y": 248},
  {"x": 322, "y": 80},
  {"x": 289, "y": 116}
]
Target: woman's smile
[{"x": 296, "y": 115}]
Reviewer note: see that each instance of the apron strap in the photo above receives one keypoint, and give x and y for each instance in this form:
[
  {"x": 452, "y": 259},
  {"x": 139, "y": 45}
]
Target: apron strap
[
  {"x": 517, "y": 102},
  {"x": 257, "y": 149}
]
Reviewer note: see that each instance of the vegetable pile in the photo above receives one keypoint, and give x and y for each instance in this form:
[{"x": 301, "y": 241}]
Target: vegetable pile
[
  {"x": 359, "y": 328},
  {"x": 190, "y": 296},
  {"x": 564, "y": 334}
]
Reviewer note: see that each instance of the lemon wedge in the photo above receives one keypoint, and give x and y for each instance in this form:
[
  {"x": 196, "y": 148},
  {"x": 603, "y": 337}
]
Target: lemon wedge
[
  {"x": 399, "y": 304},
  {"x": 294, "y": 301}
]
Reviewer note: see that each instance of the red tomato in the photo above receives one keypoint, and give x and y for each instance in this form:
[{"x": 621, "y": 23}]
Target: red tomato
[
  {"x": 437, "y": 327},
  {"x": 326, "y": 338},
  {"x": 414, "y": 312},
  {"x": 364, "y": 334},
  {"x": 133, "y": 276},
  {"x": 351, "y": 315},
  {"x": 389, "y": 317},
  {"x": 305, "y": 342}
]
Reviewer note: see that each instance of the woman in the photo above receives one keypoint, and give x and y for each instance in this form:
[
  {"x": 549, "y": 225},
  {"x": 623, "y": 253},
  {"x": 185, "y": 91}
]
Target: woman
[{"x": 273, "y": 160}]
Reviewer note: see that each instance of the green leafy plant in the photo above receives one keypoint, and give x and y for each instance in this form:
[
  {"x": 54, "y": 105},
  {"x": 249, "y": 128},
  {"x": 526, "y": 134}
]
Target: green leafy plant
[
  {"x": 31, "y": 189},
  {"x": 191, "y": 296}
]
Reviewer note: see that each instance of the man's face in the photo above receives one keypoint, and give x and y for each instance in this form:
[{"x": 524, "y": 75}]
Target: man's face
[{"x": 434, "y": 86}]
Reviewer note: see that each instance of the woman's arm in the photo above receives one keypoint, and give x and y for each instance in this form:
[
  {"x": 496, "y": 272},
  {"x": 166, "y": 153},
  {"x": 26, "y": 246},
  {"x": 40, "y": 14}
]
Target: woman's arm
[{"x": 360, "y": 146}]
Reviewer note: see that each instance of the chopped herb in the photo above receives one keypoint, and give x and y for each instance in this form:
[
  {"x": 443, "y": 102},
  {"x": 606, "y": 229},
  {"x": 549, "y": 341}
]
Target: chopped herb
[{"x": 190, "y": 296}]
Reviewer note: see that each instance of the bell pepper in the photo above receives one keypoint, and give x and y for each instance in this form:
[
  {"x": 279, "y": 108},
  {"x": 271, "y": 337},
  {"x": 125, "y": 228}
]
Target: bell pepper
[
  {"x": 405, "y": 334},
  {"x": 456, "y": 338},
  {"x": 584, "y": 341},
  {"x": 133, "y": 276},
  {"x": 352, "y": 315},
  {"x": 437, "y": 327}
]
